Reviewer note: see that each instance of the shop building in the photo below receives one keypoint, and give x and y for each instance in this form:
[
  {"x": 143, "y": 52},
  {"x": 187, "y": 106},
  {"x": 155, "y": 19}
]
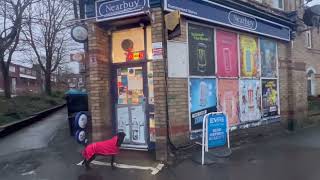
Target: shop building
[{"x": 156, "y": 85}]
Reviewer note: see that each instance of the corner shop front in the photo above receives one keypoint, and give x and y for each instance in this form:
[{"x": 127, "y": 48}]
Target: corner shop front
[{"x": 158, "y": 90}]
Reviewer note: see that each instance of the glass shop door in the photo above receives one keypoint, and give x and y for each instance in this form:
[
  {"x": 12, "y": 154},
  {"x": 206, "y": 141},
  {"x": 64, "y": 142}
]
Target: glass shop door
[{"x": 131, "y": 106}]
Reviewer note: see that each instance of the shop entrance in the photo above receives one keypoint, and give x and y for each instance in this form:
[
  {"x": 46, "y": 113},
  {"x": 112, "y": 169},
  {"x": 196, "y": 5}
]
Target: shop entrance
[
  {"x": 131, "y": 105},
  {"x": 130, "y": 82}
]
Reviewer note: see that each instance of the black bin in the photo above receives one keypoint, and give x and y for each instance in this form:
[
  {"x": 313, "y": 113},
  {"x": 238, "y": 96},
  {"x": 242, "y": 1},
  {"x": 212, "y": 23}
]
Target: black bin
[{"x": 77, "y": 101}]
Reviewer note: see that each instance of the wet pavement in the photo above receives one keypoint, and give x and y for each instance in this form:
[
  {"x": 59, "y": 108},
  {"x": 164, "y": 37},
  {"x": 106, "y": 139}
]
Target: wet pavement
[
  {"x": 52, "y": 155},
  {"x": 35, "y": 136}
]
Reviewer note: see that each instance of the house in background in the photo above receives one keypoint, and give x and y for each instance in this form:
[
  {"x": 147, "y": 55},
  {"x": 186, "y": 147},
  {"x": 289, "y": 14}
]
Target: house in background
[
  {"x": 30, "y": 80},
  {"x": 23, "y": 80}
]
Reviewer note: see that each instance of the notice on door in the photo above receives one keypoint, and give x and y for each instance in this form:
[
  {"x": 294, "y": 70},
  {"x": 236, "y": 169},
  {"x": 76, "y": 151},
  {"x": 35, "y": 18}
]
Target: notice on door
[
  {"x": 138, "y": 124},
  {"x": 123, "y": 122}
]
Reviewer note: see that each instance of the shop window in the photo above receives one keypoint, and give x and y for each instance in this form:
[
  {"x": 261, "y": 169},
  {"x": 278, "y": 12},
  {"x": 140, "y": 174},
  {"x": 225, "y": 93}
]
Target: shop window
[
  {"x": 277, "y": 4},
  {"x": 311, "y": 83},
  {"x": 128, "y": 45},
  {"x": 28, "y": 71},
  {"x": 308, "y": 39}
]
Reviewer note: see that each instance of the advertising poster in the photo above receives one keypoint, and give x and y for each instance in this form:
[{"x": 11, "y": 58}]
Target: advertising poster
[
  {"x": 229, "y": 99},
  {"x": 250, "y": 100},
  {"x": 269, "y": 97},
  {"x": 201, "y": 51},
  {"x": 123, "y": 122},
  {"x": 250, "y": 65},
  {"x": 227, "y": 54},
  {"x": 130, "y": 85},
  {"x": 128, "y": 45},
  {"x": 202, "y": 100},
  {"x": 138, "y": 124},
  {"x": 268, "y": 51}
]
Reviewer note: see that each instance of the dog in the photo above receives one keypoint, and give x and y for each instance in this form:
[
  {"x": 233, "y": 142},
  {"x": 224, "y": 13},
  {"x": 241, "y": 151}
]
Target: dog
[{"x": 103, "y": 148}]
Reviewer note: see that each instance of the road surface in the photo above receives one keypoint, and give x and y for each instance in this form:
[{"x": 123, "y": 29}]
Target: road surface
[
  {"x": 45, "y": 151},
  {"x": 35, "y": 136}
]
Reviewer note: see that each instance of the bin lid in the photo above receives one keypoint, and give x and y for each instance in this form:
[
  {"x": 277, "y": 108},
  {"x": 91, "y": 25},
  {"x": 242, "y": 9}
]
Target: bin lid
[{"x": 75, "y": 92}]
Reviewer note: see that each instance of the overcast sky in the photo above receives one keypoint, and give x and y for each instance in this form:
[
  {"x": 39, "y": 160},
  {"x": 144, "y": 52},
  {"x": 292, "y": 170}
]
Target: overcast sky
[{"x": 314, "y": 2}]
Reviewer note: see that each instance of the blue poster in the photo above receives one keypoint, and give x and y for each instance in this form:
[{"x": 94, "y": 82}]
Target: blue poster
[
  {"x": 268, "y": 51},
  {"x": 203, "y": 100},
  {"x": 217, "y": 130}
]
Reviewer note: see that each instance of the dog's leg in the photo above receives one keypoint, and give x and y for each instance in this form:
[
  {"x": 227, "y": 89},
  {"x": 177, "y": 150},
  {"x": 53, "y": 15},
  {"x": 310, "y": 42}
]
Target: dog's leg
[
  {"x": 87, "y": 162},
  {"x": 112, "y": 161}
]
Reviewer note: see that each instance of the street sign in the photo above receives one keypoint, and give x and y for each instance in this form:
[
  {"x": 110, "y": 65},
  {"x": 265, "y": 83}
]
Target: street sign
[
  {"x": 79, "y": 33},
  {"x": 215, "y": 131}
]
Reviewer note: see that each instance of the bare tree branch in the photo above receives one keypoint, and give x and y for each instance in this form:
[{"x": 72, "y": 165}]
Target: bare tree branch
[{"x": 47, "y": 34}]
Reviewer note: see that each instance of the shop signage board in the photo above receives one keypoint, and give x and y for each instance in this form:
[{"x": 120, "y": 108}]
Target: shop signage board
[
  {"x": 202, "y": 100},
  {"x": 201, "y": 53},
  {"x": 215, "y": 131},
  {"x": 109, "y": 10},
  {"x": 227, "y": 16},
  {"x": 79, "y": 33}
]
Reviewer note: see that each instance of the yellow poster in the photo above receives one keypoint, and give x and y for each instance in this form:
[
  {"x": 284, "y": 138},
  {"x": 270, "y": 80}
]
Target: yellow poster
[{"x": 250, "y": 64}]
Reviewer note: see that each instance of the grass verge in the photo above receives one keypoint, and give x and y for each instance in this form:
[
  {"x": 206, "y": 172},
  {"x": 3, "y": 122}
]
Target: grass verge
[{"x": 21, "y": 107}]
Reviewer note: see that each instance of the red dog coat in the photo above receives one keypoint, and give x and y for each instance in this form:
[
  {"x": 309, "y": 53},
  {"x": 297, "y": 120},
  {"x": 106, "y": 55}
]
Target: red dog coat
[{"x": 108, "y": 147}]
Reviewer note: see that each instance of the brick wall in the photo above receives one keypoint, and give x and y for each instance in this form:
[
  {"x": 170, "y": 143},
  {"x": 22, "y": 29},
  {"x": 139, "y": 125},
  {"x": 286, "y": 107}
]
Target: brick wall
[
  {"x": 178, "y": 101},
  {"x": 159, "y": 83},
  {"x": 99, "y": 84}
]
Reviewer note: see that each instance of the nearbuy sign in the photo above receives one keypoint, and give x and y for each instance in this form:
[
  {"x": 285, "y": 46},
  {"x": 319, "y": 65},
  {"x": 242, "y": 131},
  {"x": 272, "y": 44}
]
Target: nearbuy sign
[{"x": 108, "y": 10}]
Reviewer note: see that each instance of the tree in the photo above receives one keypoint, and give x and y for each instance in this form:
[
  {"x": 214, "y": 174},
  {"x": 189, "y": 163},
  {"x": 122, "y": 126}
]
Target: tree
[
  {"x": 11, "y": 14},
  {"x": 47, "y": 33}
]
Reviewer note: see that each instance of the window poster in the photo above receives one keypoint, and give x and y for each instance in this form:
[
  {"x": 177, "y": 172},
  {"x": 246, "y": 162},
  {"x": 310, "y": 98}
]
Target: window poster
[
  {"x": 269, "y": 97},
  {"x": 128, "y": 45},
  {"x": 268, "y": 51},
  {"x": 250, "y": 65},
  {"x": 227, "y": 54},
  {"x": 123, "y": 122},
  {"x": 229, "y": 99},
  {"x": 130, "y": 85},
  {"x": 250, "y": 100},
  {"x": 202, "y": 100},
  {"x": 201, "y": 51}
]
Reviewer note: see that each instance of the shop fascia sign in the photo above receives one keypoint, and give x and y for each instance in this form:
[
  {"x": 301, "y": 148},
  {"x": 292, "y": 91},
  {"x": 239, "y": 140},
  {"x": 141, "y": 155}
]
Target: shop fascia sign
[
  {"x": 226, "y": 16},
  {"x": 109, "y": 10}
]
